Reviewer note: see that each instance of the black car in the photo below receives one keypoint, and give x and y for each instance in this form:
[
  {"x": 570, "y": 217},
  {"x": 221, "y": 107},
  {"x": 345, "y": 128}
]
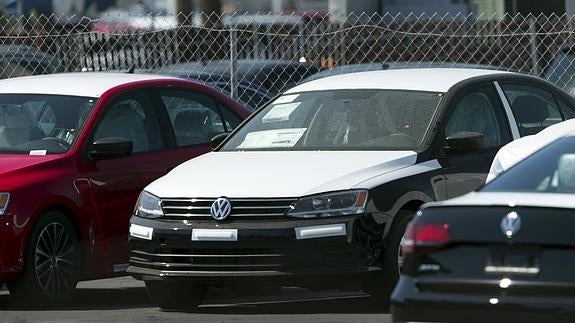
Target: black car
[
  {"x": 504, "y": 253},
  {"x": 22, "y": 60},
  {"x": 316, "y": 188},
  {"x": 258, "y": 80}
]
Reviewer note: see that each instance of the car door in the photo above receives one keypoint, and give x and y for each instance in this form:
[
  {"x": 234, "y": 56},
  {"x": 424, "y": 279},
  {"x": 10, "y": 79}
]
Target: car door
[
  {"x": 192, "y": 119},
  {"x": 477, "y": 108},
  {"x": 116, "y": 183}
]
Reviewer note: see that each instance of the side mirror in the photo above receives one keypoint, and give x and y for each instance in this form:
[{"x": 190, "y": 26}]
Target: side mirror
[
  {"x": 465, "y": 141},
  {"x": 111, "y": 147},
  {"x": 218, "y": 139}
]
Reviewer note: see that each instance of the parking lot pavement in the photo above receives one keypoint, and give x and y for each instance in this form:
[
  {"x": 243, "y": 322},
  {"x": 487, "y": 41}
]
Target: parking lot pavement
[{"x": 124, "y": 300}]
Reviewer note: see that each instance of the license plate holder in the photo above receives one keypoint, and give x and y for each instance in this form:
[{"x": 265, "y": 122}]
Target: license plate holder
[{"x": 514, "y": 260}]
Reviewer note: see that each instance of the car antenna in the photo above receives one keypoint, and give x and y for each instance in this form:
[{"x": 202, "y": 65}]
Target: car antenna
[{"x": 131, "y": 69}]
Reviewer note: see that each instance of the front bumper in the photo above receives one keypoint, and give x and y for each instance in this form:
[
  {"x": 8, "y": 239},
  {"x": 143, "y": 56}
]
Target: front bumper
[
  {"x": 268, "y": 250},
  {"x": 410, "y": 304},
  {"x": 13, "y": 234}
]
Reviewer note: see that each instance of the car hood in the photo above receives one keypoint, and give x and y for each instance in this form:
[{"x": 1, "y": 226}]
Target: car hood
[
  {"x": 11, "y": 163},
  {"x": 277, "y": 174}
]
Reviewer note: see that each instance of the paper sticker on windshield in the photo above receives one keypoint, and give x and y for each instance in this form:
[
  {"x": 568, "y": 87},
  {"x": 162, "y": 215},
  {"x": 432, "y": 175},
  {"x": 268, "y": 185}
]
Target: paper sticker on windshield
[
  {"x": 280, "y": 112},
  {"x": 286, "y": 99},
  {"x": 279, "y": 138},
  {"x": 38, "y": 152}
]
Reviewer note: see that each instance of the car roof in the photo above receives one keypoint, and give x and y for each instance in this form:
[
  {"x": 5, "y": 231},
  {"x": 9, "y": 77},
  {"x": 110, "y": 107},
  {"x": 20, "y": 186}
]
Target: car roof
[
  {"x": 89, "y": 84},
  {"x": 419, "y": 79}
]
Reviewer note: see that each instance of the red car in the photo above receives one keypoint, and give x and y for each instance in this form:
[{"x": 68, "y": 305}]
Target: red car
[{"x": 76, "y": 150}]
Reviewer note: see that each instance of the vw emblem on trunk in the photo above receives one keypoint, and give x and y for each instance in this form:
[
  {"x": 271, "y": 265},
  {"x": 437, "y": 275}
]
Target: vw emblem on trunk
[
  {"x": 221, "y": 209},
  {"x": 510, "y": 224}
]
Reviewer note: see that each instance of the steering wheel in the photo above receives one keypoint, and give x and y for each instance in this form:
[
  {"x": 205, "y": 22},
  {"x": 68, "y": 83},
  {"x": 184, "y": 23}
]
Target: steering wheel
[{"x": 61, "y": 142}]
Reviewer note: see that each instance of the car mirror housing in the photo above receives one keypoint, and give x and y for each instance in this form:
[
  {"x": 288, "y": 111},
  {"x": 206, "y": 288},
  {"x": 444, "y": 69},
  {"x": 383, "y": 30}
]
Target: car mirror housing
[
  {"x": 465, "y": 141},
  {"x": 111, "y": 147}
]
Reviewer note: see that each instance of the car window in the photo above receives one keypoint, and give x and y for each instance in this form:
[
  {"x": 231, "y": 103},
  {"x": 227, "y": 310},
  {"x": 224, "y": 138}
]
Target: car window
[
  {"x": 232, "y": 120},
  {"x": 548, "y": 170},
  {"x": 132, "y": 116},
  {"x": 533, "y": 108},
  {"x": 194, "y": 116},
  {"x": 356, "y": 119},
  {"x": 479, "y": 109}
]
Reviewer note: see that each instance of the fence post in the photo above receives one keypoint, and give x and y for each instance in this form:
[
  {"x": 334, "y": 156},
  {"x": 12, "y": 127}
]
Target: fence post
[
  {"x": 233, "y": 62},
  {"x": 534, "y": 45}
]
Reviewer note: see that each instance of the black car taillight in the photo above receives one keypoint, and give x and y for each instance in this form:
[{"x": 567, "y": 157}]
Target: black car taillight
[{"x": 423, "y": 237}]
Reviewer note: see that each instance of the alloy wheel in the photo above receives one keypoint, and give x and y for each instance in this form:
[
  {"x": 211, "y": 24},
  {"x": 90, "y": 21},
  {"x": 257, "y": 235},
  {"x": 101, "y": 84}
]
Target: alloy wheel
[{"x": 54, "y": 260}]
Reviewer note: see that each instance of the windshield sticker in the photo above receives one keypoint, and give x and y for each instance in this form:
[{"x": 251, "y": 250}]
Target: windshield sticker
[
  {"x": 286, "y": 99},
  {"x": 279, "y": 138},
  {"x": 38, "y": 152},
  {"x": 280, "y": 112}
]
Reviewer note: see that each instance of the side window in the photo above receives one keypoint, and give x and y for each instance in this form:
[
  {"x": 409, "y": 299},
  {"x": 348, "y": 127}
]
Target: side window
[
  {"x": 533, "y": 108},
  {"x": 195, "y": 117},
  {"x": 132, "y": 116},
  {"x": 480, "y": 110}
]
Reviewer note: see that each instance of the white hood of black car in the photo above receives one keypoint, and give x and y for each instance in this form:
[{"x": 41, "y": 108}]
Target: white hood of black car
[{"x": 277, "y": 174}]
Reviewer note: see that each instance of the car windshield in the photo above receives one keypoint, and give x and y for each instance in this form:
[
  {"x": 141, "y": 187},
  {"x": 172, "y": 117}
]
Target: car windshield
[
  {"x": 549, "y": 170},
  {"x": 340, "y": 120},
  {"x": 39, "y": 124}
]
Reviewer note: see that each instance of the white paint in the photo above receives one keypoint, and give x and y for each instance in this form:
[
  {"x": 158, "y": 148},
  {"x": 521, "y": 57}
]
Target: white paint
[
  {"x": 141, "y": 232},
  {"x": 92, "y": 84},
  {"x": 554, "y": 200},
  {"x": 215, "y": 235},
  {"x": 517, "y": 150},
  {"x": 425, "y": 79},
  {"x": 260, "y": 174},
  {"x": 320, "y": 231}
]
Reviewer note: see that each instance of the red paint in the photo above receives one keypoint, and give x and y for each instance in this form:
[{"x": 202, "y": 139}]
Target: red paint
[{"x": 75, "y": 185}]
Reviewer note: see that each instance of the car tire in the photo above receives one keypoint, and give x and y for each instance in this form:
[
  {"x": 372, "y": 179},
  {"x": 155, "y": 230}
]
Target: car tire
[
  {"x": 52, "y": 263},
  {"x": 176, "y": 295},
  {"x": 381, "y": 284}
]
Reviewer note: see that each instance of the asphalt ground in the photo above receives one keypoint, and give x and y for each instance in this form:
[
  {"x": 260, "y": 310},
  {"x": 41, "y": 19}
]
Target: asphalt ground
[{"x": 125, "y": 300}]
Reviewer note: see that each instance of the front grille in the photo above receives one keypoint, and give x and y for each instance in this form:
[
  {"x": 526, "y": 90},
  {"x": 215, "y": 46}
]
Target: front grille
[{"x": 178, "y": 208}]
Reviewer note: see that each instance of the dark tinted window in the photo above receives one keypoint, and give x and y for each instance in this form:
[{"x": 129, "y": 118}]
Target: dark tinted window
[
  {"x": 568, "y": 111},
  {"x": 479, "y": 109},
  {"x": 195, "y": 117},
  {"x": 132, "y": 116},
  {"x": 533, "y": 108}
]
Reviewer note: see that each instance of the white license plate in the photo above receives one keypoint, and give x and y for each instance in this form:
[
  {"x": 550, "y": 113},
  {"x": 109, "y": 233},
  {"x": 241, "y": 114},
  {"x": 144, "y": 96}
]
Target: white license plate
[{"x": 214, "y": 234}]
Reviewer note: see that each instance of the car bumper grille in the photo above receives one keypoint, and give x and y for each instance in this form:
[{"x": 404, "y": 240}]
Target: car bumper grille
[{"x": 200, "y": 207}]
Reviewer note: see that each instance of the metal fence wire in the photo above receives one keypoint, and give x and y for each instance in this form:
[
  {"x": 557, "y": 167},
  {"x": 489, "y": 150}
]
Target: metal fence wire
[{"x": 254, "y": 57}]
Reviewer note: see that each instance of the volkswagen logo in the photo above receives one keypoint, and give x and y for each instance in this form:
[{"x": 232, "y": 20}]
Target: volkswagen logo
[
  {"x": 510, "y": 224},
  {"x": 221, "y": 209}
]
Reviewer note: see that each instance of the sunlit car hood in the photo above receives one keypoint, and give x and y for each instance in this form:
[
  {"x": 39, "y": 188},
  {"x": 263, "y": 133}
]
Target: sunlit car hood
[{"x": 277, "y": 174}]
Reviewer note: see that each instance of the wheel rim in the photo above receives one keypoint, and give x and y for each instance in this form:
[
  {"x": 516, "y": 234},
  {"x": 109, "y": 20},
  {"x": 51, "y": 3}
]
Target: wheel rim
[{"x": 54, "y": 260}]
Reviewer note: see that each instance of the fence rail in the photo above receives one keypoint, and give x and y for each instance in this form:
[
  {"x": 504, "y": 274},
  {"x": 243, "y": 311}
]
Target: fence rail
[{"x": 538, "y": 45}]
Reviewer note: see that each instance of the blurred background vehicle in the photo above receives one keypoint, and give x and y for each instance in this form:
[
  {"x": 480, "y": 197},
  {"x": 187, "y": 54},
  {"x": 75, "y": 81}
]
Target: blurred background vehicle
[
  {"x": 21, "y": 60},
  {"x": 519, "y": 149},
  {"x": 503, "y": 253},
  {"x": 258, "y": 80}
]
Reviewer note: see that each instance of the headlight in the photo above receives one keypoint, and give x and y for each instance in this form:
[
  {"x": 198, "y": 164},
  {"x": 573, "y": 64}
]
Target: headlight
[
  {"x": 331, "y": 204},
  {"x": 4, "y": 199},
  {"x": 148, "y": 206}
]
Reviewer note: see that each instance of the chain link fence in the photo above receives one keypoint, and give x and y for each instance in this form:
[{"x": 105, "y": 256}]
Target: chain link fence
[{"x": 254, "y": 57}]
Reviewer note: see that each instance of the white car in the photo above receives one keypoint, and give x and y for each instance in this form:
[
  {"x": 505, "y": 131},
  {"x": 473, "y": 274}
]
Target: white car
[
  {"x": 316, "y": 188},
  {"x": 517, "y": 150}
]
